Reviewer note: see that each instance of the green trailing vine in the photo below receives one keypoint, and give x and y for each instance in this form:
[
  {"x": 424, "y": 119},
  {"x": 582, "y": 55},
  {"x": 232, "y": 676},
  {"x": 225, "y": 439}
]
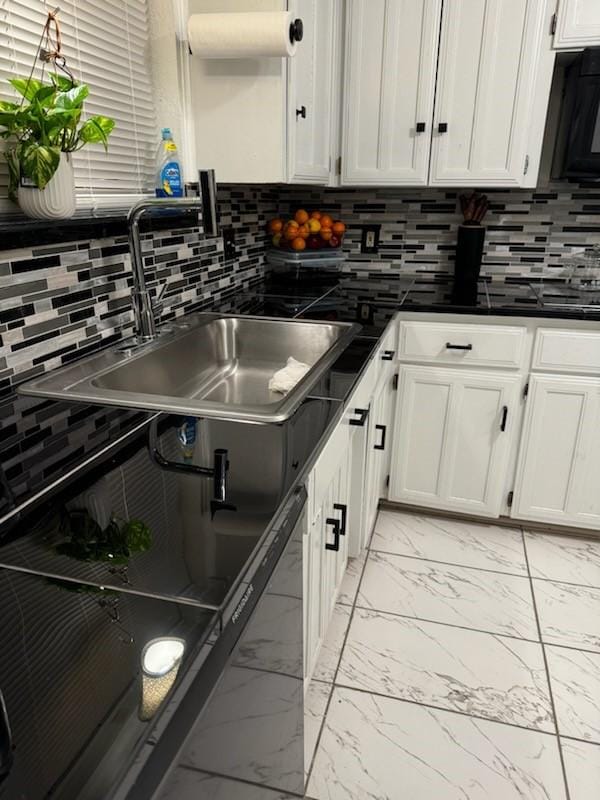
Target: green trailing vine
[{"x": 45, "y": 123}]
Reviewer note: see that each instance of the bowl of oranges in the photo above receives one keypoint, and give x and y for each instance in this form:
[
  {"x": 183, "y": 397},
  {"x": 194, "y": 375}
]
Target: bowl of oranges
[{"x": 306, "y": 230}]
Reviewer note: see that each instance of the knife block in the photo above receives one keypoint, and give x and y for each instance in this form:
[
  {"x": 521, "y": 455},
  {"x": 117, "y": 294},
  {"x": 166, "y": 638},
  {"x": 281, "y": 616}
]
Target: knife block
[{"x": 467, "y": 266}]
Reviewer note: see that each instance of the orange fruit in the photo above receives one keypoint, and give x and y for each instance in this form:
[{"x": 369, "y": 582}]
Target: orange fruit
[
  {"x": 326, "y": 234},
  {"x": 315, "y": 215},
  {"x": 338, "y": 228},
  {"x": 299, "y": 243},
  {"x": 301, "y": 216},
  {"x": 314, "y": 225},
  {"x": 290, "y": 232},
  {"x": 326, "y": 221},
  {"x": 275, "y": 225},
  {"x": 304, "y": 231}
]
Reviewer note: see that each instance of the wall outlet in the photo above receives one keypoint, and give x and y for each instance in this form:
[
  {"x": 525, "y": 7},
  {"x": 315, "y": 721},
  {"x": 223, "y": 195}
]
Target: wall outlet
[
  {"x": 229, "y": 248},
  {"x": 364, "y": 313},
  {"x": 370, "y": 239}
]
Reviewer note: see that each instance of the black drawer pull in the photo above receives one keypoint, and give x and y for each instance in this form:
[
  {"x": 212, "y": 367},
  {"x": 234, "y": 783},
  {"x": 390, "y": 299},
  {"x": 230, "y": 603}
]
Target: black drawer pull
[
  {"x": 443, "y": 127},
  {"x": 388, "y": 355},
  {"x": 383, "y": 430},
  {"x": 420, "y": 127},
  {"x": 363, "y": 415},
  {"x": 335, "y": 523},
  {"x": 504, "y": 418},
  {"x": 344, "y": 509},
  {"x": 301, "y": 112},
  {"x": 450, "y": 346}
]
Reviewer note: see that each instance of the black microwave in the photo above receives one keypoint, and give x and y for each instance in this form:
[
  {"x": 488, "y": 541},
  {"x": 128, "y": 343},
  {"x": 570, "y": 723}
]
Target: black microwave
[{"x": 582, "y": 107}]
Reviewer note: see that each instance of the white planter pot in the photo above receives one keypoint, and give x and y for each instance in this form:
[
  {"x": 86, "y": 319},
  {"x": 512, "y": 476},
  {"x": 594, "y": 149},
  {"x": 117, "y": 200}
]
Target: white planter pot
[{"x": 57, "y": 199}]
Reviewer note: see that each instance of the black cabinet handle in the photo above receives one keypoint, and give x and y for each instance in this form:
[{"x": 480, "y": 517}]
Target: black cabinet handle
[
  {"x": 388, "y": 355},
  {"x": 504, "y": 418},
  {"x": 450, "y": 346},
  {"x": 443, "y": 127},
  {"x": 363, "y": 415},
  {"x": 296, "y": 31},
  {"x": 301, "y": 112},
  {"x": 344, "y": 509},
  {"x": 383, "y": 429},
  {"x": 420, "y": 127},
  {"x": 335, "y": 523},
  {"x": 6, "y": 747}
]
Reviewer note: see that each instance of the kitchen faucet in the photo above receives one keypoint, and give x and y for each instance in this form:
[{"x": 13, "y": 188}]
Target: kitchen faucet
[{"x": 145, "y": 309}]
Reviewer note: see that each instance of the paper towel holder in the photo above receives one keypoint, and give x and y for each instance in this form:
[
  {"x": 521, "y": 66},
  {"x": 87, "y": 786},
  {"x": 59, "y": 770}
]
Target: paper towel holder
[{"x": 296, "y": 31}]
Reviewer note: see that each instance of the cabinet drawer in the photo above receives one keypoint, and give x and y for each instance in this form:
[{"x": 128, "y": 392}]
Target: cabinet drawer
[
  {"x": 567, "y": 351},
  {"x": 472, "y": 345}
]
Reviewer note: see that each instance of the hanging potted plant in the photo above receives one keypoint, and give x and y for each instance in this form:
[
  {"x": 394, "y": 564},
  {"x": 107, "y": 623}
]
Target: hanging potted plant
[{"x": 43, "y": 130}]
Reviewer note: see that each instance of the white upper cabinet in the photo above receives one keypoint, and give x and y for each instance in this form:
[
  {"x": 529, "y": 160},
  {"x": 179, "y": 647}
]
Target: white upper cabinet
[
  {"x": 577, "y": 24},
  {"x": 391, "y": 55},
  {"x": 244, "y": 109},
  {"x": 486, "y": 80},
  {"x": 310, "y": 93}
]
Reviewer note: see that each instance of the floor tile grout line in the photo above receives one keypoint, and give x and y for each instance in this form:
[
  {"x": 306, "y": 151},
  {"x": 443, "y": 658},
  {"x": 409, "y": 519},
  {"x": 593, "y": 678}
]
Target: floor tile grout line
[
  {"x": 434, "y": 707},
  {"x": 577, "y": 739},
  {"x": 451, "y": 564},
  {"x": 548, "y": 679},
  {"x": 447, "y": 624},
  {"x": 570, "y": 647},
  {"x": 245, "y": 781},
  {"x": 316, "y": 750},
  {"x": 525, "y": 574}
]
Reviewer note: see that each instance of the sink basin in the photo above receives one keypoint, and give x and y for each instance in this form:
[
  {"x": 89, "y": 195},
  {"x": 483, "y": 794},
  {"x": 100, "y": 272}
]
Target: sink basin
[{"x": 207, "y": 366}]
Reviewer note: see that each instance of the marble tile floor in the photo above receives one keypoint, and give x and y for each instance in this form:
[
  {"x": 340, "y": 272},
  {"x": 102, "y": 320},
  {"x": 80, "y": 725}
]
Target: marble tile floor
[{"x": 463, "y": 663}]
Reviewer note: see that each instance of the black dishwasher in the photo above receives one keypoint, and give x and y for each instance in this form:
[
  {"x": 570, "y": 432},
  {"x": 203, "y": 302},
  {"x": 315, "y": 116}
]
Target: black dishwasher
[{"x": 146, "y": 626}]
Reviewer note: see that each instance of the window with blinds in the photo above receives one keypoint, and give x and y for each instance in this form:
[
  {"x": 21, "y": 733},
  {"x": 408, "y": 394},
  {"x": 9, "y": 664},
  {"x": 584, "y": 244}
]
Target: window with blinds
[{"x": 106, "y": 44}]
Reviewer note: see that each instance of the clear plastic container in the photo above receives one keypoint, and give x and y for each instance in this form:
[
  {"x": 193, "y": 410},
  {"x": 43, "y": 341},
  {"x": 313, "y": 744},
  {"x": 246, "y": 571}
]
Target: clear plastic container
[{"x": 318, "y": 259}]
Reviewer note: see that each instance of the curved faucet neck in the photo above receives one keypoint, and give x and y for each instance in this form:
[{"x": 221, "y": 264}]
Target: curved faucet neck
[{"x": 145, "y": 324}]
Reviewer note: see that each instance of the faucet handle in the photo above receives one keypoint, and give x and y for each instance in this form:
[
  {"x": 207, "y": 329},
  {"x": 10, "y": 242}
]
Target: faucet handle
[{"x": 157, "y": 303}]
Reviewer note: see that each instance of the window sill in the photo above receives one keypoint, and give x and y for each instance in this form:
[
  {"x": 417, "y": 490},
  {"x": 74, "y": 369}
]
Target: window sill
[{"x": 18, "y": 231}]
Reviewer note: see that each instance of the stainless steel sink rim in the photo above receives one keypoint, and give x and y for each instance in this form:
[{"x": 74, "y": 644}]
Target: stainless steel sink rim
[{"x": 79, "y": 382}]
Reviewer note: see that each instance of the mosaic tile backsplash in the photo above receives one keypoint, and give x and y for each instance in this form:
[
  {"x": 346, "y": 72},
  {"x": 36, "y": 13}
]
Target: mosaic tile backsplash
[
  {"x": 59, "y": 302},
  {"x": 526, "y": 230}
]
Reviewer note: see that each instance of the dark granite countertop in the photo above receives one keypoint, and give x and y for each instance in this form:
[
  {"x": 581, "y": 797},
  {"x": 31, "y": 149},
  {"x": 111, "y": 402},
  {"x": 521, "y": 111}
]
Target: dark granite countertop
[{"x": 370, "y": 297}]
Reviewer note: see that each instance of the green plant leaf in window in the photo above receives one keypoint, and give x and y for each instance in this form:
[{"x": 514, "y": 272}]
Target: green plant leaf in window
[
  {"x": 96, "y": 129},
  {"x": 39, "y": 162}
]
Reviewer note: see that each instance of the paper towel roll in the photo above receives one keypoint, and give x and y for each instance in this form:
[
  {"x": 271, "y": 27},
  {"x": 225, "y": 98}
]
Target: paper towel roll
[{"x": 251, "y": 34}]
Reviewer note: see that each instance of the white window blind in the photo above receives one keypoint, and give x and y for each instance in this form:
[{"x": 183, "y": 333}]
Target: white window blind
[{"x": 106, "y": 45}]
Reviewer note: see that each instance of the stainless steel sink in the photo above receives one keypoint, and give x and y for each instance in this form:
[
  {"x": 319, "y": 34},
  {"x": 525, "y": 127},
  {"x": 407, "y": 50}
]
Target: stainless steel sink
[{"x": 210, "y": 365}]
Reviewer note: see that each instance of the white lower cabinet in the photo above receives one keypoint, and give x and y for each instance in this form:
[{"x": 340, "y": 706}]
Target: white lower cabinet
[
  {"x": 452, "y": 438},
  {"x": 558, "y": 476},
  {"x": 326, "y": 541},
  {"x": 577, "y": 24},
  {"x": 379, "y": 445}
]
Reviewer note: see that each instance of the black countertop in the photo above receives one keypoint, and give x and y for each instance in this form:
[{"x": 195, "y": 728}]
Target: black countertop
[{"x": 369, "y": 296}]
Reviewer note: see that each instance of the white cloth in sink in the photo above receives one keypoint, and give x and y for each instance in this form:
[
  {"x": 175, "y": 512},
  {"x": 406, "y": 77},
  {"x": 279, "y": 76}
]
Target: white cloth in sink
[{"x": 285, "y": 379}]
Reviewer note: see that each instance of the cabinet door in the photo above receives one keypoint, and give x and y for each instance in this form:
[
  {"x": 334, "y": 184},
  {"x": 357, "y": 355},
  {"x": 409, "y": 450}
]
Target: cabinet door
[
  {"x": 452, "y": 438},
  {"x": 558, "y": 477},
  {"x": 379, "y": 447},
  {"x": 486, "y": 78},
  {"x": 313, "y": 631},
  {"x": 391, "y": 54},
  {"x": 310, "y": 93},
  {"x": 324, "y": 567},
  {"x": 577, "y": 24}
]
